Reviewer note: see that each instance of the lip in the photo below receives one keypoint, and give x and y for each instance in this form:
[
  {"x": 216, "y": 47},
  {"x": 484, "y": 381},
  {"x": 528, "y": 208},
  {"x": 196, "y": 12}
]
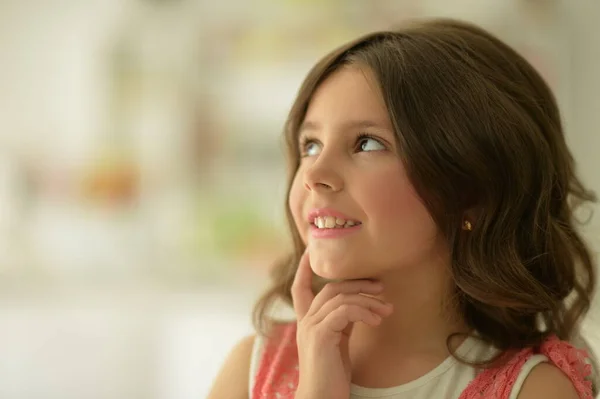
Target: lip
[{"x": 314, "y": 213}]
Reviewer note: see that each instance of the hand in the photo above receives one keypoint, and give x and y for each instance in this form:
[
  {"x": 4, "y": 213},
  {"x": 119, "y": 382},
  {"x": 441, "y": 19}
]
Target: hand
[{"x": 325, "y": 323}]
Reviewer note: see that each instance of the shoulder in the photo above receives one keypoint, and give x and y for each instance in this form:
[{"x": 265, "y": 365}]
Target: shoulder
[
  {"x": 233, "y": 378},
  {"x": 547, "y": 381},
  {"x": 555, "y": 369}
]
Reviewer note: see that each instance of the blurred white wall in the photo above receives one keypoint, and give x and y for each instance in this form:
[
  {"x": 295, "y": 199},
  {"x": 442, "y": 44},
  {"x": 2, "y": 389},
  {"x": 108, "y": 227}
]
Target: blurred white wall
[{"x": 100, "y": 298}]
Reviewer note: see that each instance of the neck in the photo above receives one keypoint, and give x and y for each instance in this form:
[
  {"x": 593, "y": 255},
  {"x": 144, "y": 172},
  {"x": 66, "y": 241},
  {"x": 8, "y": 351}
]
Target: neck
[{"x": 420, "y": 324}]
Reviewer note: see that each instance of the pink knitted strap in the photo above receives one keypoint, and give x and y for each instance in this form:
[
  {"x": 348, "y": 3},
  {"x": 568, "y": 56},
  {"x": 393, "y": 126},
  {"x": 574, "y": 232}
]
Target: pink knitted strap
[
  {"x": 277, "y": 375},
  {"x": 573, "y": 362},
  {"x": 498, "y": 383}
]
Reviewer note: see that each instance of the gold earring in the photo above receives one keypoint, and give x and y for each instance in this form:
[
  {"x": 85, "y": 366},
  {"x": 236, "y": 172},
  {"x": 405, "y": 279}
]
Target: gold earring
[{"x": 467, "y": 225}]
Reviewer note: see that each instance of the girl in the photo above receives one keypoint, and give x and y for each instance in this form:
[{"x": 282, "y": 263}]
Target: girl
[{"x": 432, "y": 198}]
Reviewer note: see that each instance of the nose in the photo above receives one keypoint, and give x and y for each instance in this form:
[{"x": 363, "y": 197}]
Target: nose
[{"x": 322, "y": 176}]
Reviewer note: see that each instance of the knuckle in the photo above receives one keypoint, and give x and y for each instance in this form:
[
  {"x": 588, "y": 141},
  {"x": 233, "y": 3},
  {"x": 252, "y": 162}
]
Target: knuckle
[
  {"x": 320, "y": 333},
  {"x": 303, "y": 329},
  {"x": 345, "y": 308},
  {"x": 340, "y": 298},
  {"x": 329, "y": 289}
]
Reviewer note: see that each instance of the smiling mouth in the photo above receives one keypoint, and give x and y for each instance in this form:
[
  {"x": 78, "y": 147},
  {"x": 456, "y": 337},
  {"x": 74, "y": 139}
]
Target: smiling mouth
[{"x": 331, "y": 222}]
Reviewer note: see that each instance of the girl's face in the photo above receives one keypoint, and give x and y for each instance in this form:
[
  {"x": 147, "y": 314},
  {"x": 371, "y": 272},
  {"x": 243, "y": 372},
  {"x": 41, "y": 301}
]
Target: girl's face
[{"x": 350, "y": 174}]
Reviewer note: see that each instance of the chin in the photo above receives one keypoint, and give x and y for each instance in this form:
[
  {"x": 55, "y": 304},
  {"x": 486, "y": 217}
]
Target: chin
[{"x": 337, "y": 269}]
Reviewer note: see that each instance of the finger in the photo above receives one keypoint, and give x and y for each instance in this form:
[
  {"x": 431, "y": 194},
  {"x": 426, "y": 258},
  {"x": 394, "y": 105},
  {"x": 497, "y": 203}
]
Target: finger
[
  {"x": 338, "y": 320},
  {"x": 328, "y": 292},
  {"x": 302, "y": 294},
  {"x": 374, "y": 305}
]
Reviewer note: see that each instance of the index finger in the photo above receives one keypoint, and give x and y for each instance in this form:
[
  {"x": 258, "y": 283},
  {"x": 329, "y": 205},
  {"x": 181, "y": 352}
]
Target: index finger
[{"x": 302, "y": 294}]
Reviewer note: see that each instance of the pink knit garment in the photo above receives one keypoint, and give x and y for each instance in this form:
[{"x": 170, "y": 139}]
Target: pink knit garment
[
  {"x": 277, "y": 375},
  {"x": 498, "y": 383}
]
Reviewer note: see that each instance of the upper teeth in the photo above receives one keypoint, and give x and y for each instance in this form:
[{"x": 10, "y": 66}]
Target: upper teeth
[{"x": 330, "y": 222}]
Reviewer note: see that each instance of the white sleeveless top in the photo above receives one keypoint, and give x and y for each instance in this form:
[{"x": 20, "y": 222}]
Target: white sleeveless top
[{"x": 446, "y": 381}]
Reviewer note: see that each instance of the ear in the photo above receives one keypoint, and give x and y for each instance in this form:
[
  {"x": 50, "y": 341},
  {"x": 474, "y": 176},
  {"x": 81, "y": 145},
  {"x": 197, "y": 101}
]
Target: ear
[{"x": 470, "y": 217}]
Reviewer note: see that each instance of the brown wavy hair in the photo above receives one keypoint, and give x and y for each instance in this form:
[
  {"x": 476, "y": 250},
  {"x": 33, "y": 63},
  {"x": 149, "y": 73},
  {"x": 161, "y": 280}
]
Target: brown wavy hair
[{"x": 477, "y": 128}]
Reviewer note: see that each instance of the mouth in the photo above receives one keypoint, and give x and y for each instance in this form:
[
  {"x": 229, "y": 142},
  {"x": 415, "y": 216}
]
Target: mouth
[{"x": 329, "y": 219}]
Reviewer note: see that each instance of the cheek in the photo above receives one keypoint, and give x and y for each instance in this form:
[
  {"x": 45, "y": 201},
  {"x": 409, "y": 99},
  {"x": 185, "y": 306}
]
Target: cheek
[
  {"x": 397, "y": 209},
  {"x": 296, "y": 201}
]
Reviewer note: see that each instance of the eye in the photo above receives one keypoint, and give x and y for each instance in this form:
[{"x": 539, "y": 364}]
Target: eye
[
  {"x": 309, "y": 148},
  {"x": 368, "y": 143}
]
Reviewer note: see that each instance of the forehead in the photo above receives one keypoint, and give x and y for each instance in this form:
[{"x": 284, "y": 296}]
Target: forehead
[{"x": 348, "y": 94}]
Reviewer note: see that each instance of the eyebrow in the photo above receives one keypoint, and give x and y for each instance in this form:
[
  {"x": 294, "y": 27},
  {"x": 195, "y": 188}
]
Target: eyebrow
[{"x": 352, "y": 124}]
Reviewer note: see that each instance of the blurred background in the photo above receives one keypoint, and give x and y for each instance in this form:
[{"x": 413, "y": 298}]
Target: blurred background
[{"x": 142, "y": 177}]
